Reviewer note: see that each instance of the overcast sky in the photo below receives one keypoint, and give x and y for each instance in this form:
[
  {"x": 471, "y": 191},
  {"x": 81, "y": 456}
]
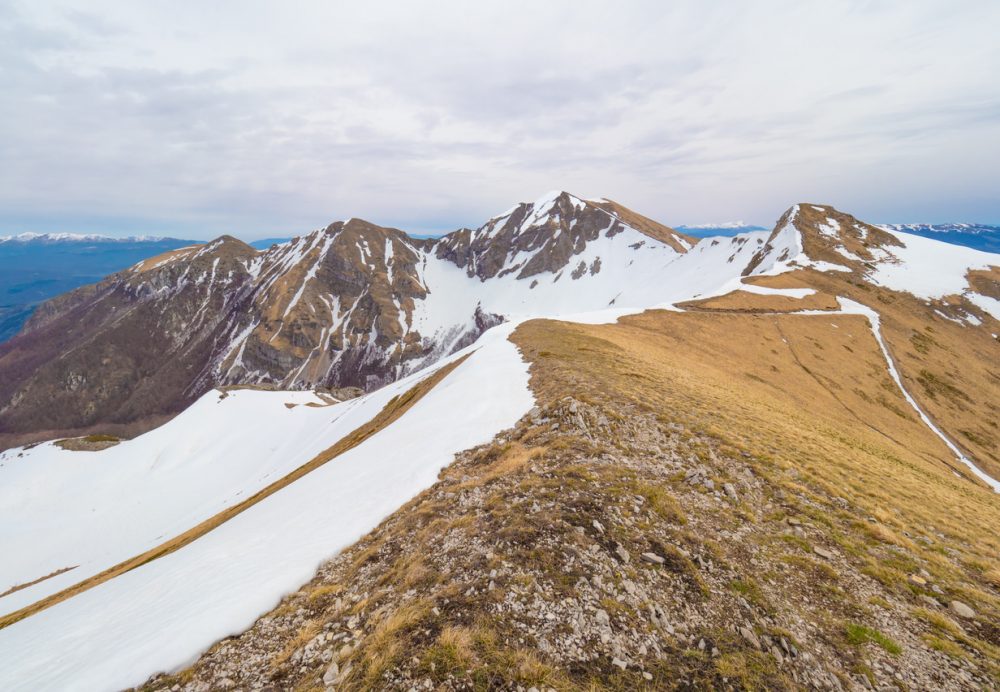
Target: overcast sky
[{"x": 274, "y": 118}]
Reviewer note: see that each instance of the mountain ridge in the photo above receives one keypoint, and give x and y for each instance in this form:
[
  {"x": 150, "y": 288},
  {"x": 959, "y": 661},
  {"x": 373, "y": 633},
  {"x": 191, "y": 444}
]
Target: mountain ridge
[{"x": 357, "y": 304}]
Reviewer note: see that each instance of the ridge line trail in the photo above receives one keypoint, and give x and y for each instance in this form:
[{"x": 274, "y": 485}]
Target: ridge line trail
[{"x": 851, "y": 307}]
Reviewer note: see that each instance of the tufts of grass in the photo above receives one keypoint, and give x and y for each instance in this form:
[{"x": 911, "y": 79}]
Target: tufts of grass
[
  {"x": 451, "y": 655},
  {"x": 857, "y": 635},
  {"x": 940, "y": 622},
  {"x": 819, "y": 570},
  {"x": 662, "y": 502},
  {"x": 324, "y": 590},
  {"x": 751, "y": 591},
  {"x": 796, "y": 541},
  {"x": 949, "y": 648}
]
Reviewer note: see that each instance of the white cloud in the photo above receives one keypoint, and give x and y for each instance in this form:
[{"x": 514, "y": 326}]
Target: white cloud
[{"x": 258, "y": 118}]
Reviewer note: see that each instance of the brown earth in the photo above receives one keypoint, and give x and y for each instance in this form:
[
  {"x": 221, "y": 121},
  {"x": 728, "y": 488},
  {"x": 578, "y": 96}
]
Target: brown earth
[{"x": 743, "y": 301}]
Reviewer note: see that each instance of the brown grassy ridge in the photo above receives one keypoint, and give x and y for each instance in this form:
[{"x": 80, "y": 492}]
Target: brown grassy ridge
[
  {"x": 810, "y": 395},
  {"x": 18, "y": 587},
  {"x": 744, "y": 301},
  {"x": 392, "y": 411},
  {"x": 803, "y": 402},
  {"x": 795, "y": 389}
]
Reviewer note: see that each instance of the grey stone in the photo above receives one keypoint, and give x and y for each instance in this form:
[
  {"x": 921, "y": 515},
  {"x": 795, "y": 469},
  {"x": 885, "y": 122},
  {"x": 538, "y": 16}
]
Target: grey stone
[
  {"x": 748, "y": 634},
  {"x": 823, "y": 553},
  {"x": 652, "y": 558},
  {"x": 929, "y": 600},
  {"x": 331, "y": 674},
  {"x": 961, "y": 610}
]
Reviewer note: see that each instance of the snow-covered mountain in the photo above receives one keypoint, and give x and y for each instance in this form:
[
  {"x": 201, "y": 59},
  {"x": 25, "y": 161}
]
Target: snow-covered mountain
[
  {"x": 830, "y": 240},
  {"x": 349, "y": 304},
  {"x": 355, "y": 304},
  {"x": 50, "y": 238}
]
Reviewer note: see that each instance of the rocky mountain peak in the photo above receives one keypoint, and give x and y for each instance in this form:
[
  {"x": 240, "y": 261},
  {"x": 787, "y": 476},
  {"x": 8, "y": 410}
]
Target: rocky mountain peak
[
  {"x": 543, "y": 236},
  {"x": 821, "y": 237},
  {"x": 835, "y": 236}
]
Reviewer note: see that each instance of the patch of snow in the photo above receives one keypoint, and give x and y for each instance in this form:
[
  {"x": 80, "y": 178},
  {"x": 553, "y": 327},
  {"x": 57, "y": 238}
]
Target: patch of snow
[
  {"x": 990, "y": 306},
  {"x": 388, "y": 259},
  {"x": 831, "y": 228},
  {"x": 797, "y": 293},
  {"x": 929, "y": 268}
]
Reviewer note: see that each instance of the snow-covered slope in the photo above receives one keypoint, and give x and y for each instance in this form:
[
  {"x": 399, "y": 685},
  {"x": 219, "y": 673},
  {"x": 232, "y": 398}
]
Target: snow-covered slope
[
  {"x": 932, "y": 269},
  {"x": 162, "y": 614},
  {"x": 224, "y": 448}
]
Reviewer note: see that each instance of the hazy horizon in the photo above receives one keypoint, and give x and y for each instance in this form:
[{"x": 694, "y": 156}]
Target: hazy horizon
[{"x": 277, "y": 234}]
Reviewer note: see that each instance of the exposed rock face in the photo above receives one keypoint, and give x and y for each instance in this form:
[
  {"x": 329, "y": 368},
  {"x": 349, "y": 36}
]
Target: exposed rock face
[
  {"x": 545, "y": 236},
  {"x": 347, "y": 305},
  {"x": 809, "y": 233}
]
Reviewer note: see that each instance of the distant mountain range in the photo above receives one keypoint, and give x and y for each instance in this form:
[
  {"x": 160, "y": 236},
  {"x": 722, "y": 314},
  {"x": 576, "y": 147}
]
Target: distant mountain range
[
  {"x": 975, "y": 235},
  {"x": 37, "y": 266},
  {"x": 57, "y": 238}
]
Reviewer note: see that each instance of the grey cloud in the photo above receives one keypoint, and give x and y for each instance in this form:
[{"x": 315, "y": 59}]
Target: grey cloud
[{"x": 274, "y": 122}]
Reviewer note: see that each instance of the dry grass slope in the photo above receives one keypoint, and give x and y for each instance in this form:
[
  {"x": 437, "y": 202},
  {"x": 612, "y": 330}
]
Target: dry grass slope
[{"x": 807, "y": 531}]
